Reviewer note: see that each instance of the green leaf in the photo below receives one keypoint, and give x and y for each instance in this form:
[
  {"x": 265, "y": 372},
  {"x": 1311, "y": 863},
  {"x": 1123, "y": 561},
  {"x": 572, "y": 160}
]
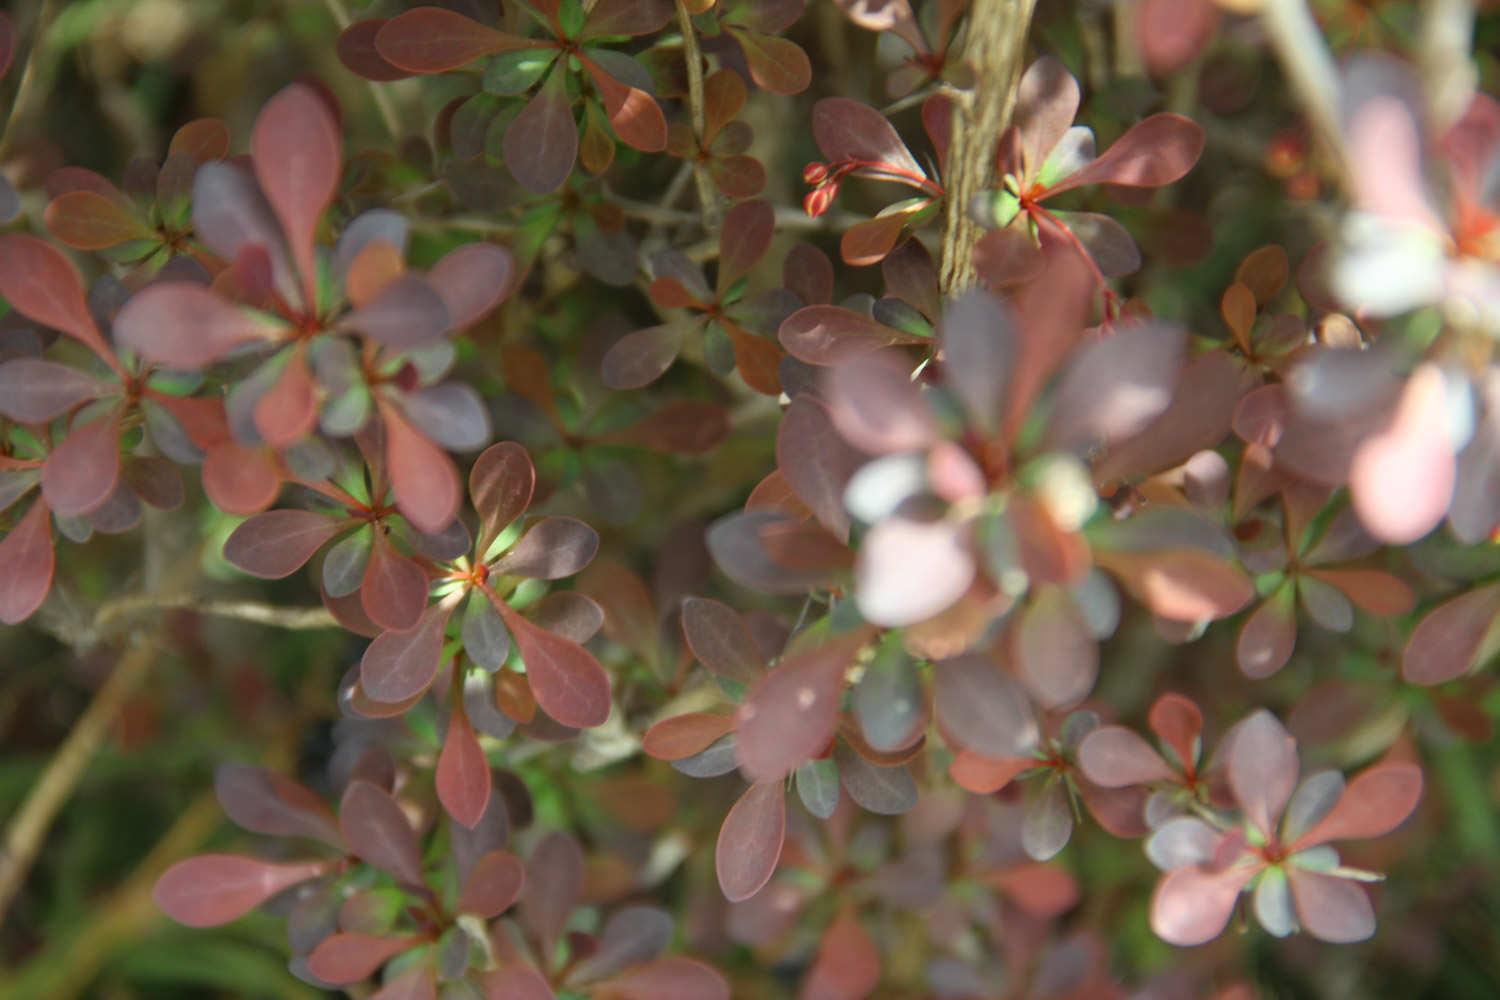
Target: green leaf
[{"x": 511, "y": 73}]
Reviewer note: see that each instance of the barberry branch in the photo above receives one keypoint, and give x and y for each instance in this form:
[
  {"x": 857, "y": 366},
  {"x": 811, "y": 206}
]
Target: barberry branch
[
  {"x": 994, "y": 48},
  {"x": 707, "y": 200}
]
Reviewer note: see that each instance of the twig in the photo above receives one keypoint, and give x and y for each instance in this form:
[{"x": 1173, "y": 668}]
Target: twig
[
  {"x": 27, "y": 90},
  {"x": 246, "y": 611},
  {"x": 1448, "y": 71},
  {"x": 994, "y": 48},
  {"x": 1310, "y": 70},
  {"x": 708, "y": 202},
  {"x": 786, "y": 217},
  {"x": 382, "y": 100}
]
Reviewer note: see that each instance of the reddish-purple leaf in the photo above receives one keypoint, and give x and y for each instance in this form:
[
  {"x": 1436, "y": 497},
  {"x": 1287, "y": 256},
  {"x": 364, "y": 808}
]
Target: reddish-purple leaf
[
  {"x": 241, "y": 480},
  {"x": 493, "y": 886},
  {"x": 288, "y": 411},
  {"x": 81, "y": 472},
  {"x": 541, "y": 144},
  {"x": 832, "y": 335},
  {"x": 1115, "y": 385},
  {"x": 719, "y": 637},
  {"x": 1057, "y": 656},
  {"x": 909, "y": 571},
  {"x": 1263, "y": 769},
  {"x": 88, "y": 220},
  {"x": 816, "y": 461},
  {"x": 1193, "y": 905},
  {"x": 435, "y": 40},
  {"x": 684, "y": 735},
  {"x": 1268, "y": 635},
  {"x": 297, "y": 151},
  {"x": 1046, "y": 104},
  {"x": 422, "y": 475},
  {"x": 876, "y": 405},
  {"x": 1178, "y": 723},
  {"x": 1449, "y": 639},
  {"x": 377, "y": 831},
  {"x": 981, "y": 347},
  {"x": 634, "y": 114},
  {"x": 398, "y": 666},
  {"x": 1181, "y": 584},
  {"x": 42, "y": 285},
  {"x": 1116, "y": 757},
  {"x": 848, "y": 963},
  {"x": 641, "y": 357},
  {"x": 416, "y": 984},
  {"x": 356, "y": 50},
  {"x": 352, "y": 957},
  {"x": 750, "y": 841},
  {"x": 186, "y": 326},
  {"x": 554, "y": 883},
  {"x": 849, "y": 130},
  {"x": 34, "y": 391},
  {"x": 265, "y": 802},
  {"x": 982, "y": 709},
  {"x": 279, "y": 542},
  {"x": 870, "y": 241},
  {"x": 214, "y": 889},
  {"x": 515, "y": 981},
  {"x": 1330, "y": 908},
  {"x": 393, "y": 591},
  {"x": 552, "y": 548},
  {"x": 673, "y": 978},
  {"x": 26, "y": 565},
  {"x": 682, "y": 427},
  {"x": 744, "y": 240},
  {"x": 776, "y": 64},
  {"x": 407, "y": 314},
  {"x": 626, "y": 17},
  {"x": 1377, "y": 801},
  {"x": 790, "y": 714},
  {"x": 500, "y": 485},
  {"x": 1150, "y": 154},
  {"x": 1402, "y": 479},
  {"x": 463, "y": 772},
  {"x": 472, "y": 280},
  {"x": 569, "y": 684}
]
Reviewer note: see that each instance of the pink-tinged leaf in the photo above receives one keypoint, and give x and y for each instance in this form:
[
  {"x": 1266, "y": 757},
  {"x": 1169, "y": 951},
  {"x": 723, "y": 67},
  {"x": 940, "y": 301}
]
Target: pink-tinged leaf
[
  {"x": 790, "y": 714},
  {"x": 1374, "y": 591},
  {"x": 640, "y": 358},
  {"x": 500, "y": 485},
  {"x": 746, "y": 236},
  {"x": 1178, "y": 723},
  {"x": 279, "y": 542},
  {"x": 1192, "y": 906},
  {"x": 1377, "y": 801},
  {"x": 541, "y": 144},
  {"x": 1042, "y": 890},
  {"x": 357, "y": 51},
  {"x": 186, "y": 326},
  {"x": 33, "y": 391},
  {"x": 517, "y": 982},
  {"x": 1402, "y": 479},
  {"x": 1057, "y": 656},
  {"x": 265, "y": 802},
  {"x": 869, "y": 242},
  {"x": 983, "y": 775},
  {"x": 298, "y": 155},
  {"x": 1150, "y": 154},
  {"x": 88, "y": 220},
  {"x": 750, "y": 841},
  {"x": 1263, "y": 769},
  {"x": 633, "y": 114},
  {"x": 832, "y": 335},
  {"x": 26, "y": 565},
  {"x": 876, "y": 405},
  {"x": 908, "y": 571},
  {"x": 982, "y": 709},
  {"x": 1116, "y": 757},
  {"x": 1332, "y": 909},
  {"x": 1171, "y": 33},
  {"x": 1046, "y": 104},
  {"x": 82, "y": 471},
  {"x": 435, "y": 40},
  {"x": 42, "y": 285},
  {"x": 472, "y": 280},
  {"x": 569, "y": 684},
  {"x": 848, "y": 964},
  {"x": 816, "y": 461},
  {"x": 738, "y": 176},
  {"x": 214, "y": 889},
  {"x": 1108, "y": 242},
  {"x": 406, "y": 315},
  {"x": 849, "y": 130},
  {"x": 981, "y": 350},
  {"x": 720, "y": 639},
  {"x": 684, "y": 735},
  {"x": 399, "y": 666},
  {"x": 1115, "y": 385},
  {"x": 776, "y": 64},
  {"x": 416, "y": 984},
  {"x": 552, "y": 548},
  {"x": 393, "y": 591},
  {"x": 1451, "y": 639},
  {"x": 351, "y": 957},
  {"x": 895, "y": 16},
  {"x": 241, "y": 480},
  {"x": 463, "y": 772},
  {"x": 673, "y": 978},
  {"x": 423, "y": 477},
  {"x": 1181, "y": 584},
  {"x": 377, "y": 831},
  {"x": 493, "y": 886},
  {"x": 1268, "y": 635},
  {"x": 1005, "y": 258},
  {"x": 683, "y": 427},
  {"x": 626, "y": 17},
  {"x": 554, "y": 885},
  {"x": 288, "y": 411}
]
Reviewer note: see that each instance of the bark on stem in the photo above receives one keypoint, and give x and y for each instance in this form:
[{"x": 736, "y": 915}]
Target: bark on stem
[
  {"x": 693, "y": 56},
  {"x": 994, "y": 47}
]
